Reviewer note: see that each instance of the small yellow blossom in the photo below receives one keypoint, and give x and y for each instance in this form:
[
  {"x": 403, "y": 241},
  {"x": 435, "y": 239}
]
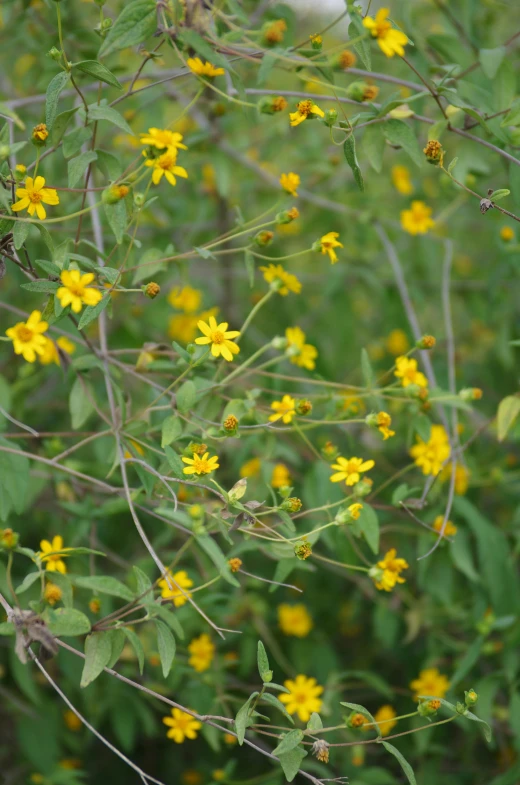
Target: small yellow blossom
[
  {"x": 430, "y": 456},
  {"x": 290, "y": 183},
  {"x": 430, "y": 683},
  {"x": 294, "y": 620},
  {"x": 234, "y": 564},
  {"x": 401, "y": 180},
  {"x": 201, "y": 464},
  {"x": 306, "y": 354},
  {"x": 352, "y": 404},
  {"x": 40, "y": 132},
  {"x": 390, "y": 40},
  {"x": 417, "y": 220},
  {"x": 280, "y": 476},
  {"x": 166, "y": 164},
  {"x": 219, "y": 337},
  {"x": 450, "y": 529},
  {"x": 27, "y": 337},
  {"x": 462, "y": 475},
  {"x": 53, "y": 561},
  {"x": 76, "y": 291},
  {"x": 284, "y": 409},
  {"x": 349, "y": 469},
  {"x": 199, "y": 68},
  {"x": 397, "y": 343},
  {"x": 163, "y": 139},
  {"x": 202, "y": 650},
  {"x": 328, "y": 243},
  {"x": 182, "y": 726},
  {"x": 384, "y": 716},
  {"x": 302, "y": 698},
  {"x": 355, "y": 510},
  {"x": 34, "y": 196},
  {"x": 386, "y": 574},
  {"x": 286, "y": 282},
  {"x": 251, "y": 468},
  {"x": 406, "y": 370},
  {"x": 20, "y": 169},
  {"x": 72, "y": 721},
  {"x": 66, "y": 345},
  {"x": 303, "y": 110},
  {"x": 186, "y": 299},
  {"x": 230, "y": 739},
  {"x": 507, "y": 234},
  {"x": 383, "y": 423},
  {"x": 346, "y": 59},
  {"x": 179, "y": 580},
  {"x": 52, "y": 594}
]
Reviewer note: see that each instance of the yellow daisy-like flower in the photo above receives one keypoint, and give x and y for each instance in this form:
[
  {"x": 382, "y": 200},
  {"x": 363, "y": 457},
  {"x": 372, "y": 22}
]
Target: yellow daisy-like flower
[
  {"x": 162, "y": 138},
  {"x": 397, "y": 343},
  {"x": 290, "y": 182},
  {"x": 384, "y": 716},
  {"x": 202, "y": 650},
  {"x": 76, "y": 291},
  {"x": 450, "y": 528},
  {"x": 34, "y": 196},
  {"x": 390, "y": 40},
  {"x": 182, "y": 726},
  {"x": 186, "y": 299},
  {"x": 53, "y": 561},
  {"x": 305, "y": 356},
  {"x": 303, "y": 110},
  {"x": 280, "y": 476},
  {"x": 284, "y": 409},
  {"x": 165, "y": 165},
  {"x": 383, "y": 422},
  {"x": 430, "y": 683},
  {"x": 294, "y": 620},
  {"x": 406, "y": 370},
  {"x": 302, "y": 698},
  {"x": 285, "y": 282},
  {"x": 349, "y": 469},
  {"x": 401, "y": 180},
  {"x": 27, "y": 337},
  {"x": 179, "y": 580},
  {"x": 417, "y": 220},
  {"x": 201, "y": 464},
  {"x": 50, "y": 352},
  {"x": 386, "y": 574},
  {"x": 430, "y": 456},
  {"x": 329, "y": 242},
  {"x": 219, "y": 337},
  {"x": 251, "y": 468},
  {"x": 196, "y": 66}
]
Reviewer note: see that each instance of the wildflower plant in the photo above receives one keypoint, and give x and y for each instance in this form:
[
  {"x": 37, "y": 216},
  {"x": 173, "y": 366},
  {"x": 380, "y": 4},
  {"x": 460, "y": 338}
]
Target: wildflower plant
[{"x": 258, "y": 461}]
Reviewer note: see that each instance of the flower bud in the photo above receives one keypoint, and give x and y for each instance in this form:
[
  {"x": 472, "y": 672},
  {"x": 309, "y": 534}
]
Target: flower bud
[
  {"x": 230, "y": 424},
  {"x": 4, "y": 151},
  {"x": 52, "y": 593},
  {"x": 196, "y": 512},
  {"x": 8, "y": 539},
  {"x": 428, "y": 708},
  {"x": 20, "y": 170},
  {"x": 344, "y": 60},
  {"x": 471, "y": 697},
  {"x": 263, "y": 238},
  {"x": 95, "y": 605},
  {"x": 279, "y": 342},
  {"x": 355, "y": 720},
  {"x": 194, "y": 448},
  {"x": 234, "y": 564},
  {"x": 461, "y": 708},
  {"x": 55, "y": 54},
  {"x": 434, "y": 152},
  {"x": 363, "y": 487},
  {"x": 39, "y": 135},
  {"x": 362, "y": 91},
  {"x": 151, "y": 290},
  {"x": 302, "y": 550},
  {"x": 329, "y": 451},
  {"x": 273, "y": 32},
  {"x": 106, "y": 23},
  {"x": 304, "y": 407},
  {"x": 287, "y": 216},
  {"x": 330, "y": 118},
  {"x": 470, "y": 394},
  {"x": 291, "y": 504},
  {"x": 426, "y": 342},
  {"x": 316, "y": 41},
  {"x": 138, "y": 199},
  {"x": 114, "y": 193},
  {"x": 270, "y": 104}
]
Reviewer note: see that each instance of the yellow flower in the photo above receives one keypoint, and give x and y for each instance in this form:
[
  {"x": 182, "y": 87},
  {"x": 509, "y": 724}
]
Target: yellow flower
[
  {"x": 286, "y": 282},
  {"x": 251, "y": 468},
  {"x": 294, "y": 620},
  {"x": 31, "y": 197},
  {"x": 430, "y": 683},
  {"x": 202, "y": 650},
  {"x": 384, "y": 716},
  {"x": 27, "y": 337},
  {"x": 182, "y": 726},
  {"x": 352, "y": 404},
  {"x": 349, "y": 469},
  {"x": 196, "y": 66},
  {"x": 328, "y": 243},
  {"x": 40, "y": 132},
  {"x": 186, "y": 299},
  {"x": 406, "y": 370},
  {"x": 506, "y": 233},
  {"x": 302, "y": 698},
  {"x": 50, "y": 353},
  {"x": 72, "y": 721},
  {"x": 306, "y": 354},
  {"x": 303, "y": 110},
  {"x": 75, "y": 290},
  {"x": 179, "y": 580},
  {"x": 165, "y": 165},
  {"x": 52, "y": 595},
  {"x": 383, "y": 423},
  {"x": 280, "y": 476},
  {"x": 53, "y": 561},
  {"x": 162, "y": 139},
  {"x": 219, "y": 337},
  {"x": 387, "y": 571},
  {"x": 401, "y": 180},
  {"x": 183, "y": 327},
  {"x": 21, "y": 169},
  {"x": 429, "y": 456},
  {"x": 355, "y": 510},
  {"x": 462, "y": 475},
  {"x": 230, "y": 739},
  {"x": 290, "y": 183},
  {"x": 201, "y": 464},
  {"x": 417, "y": 220},
  {"x": 284, "y": 409},
  {"x": 450, "y": 529},
  {"x": 397, "y": 343},
  {"x": 390, "y": 40}
]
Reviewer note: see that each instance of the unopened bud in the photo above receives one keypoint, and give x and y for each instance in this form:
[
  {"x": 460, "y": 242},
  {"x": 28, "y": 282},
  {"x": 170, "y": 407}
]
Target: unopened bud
[
  {"x": 234, "y": 564},
  {"x": 55, "y": 54},
  {"x": 428, "y": 708},
  {"x": 302, "y": 550},
  {"x": 39, "y": 135},
  {"x": 95, "y": 605},
  {"x": 426, "y": 342},
  {"x": 151, "y": 290},
  {"x": 8, "y": 539},
  {"x": 331, "y": 116},
  {"x": 287, "y": 216},
  {"x": 292, "y": 504},
  {"x": 470, "y": 394},
  {"x": 316, "y": 41},
  {"x": 264, "y": 238},
  {"x": 471, "y": 697},
  {"x": 434, "y": 152},
  {"x": 304, "y": 407},
  {"x": 356, "y": 720},
  {"x": 230, "y": 424}
]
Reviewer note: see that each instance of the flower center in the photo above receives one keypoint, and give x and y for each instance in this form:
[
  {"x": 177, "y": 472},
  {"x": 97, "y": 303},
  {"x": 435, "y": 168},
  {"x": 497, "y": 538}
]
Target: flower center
[
  {"x": 202, "y": 467},
  {"x": 25, "y": 334},
  {"x": 35, "y": 196},
  {"x": 305, "y": 107},
  {"x": 217, "y": 337},
  {"x": 300, "y": 697},
  {"x": 77, "y": 289},
  {"x": 382, "y": 28},
  {"x": 166, "y": 161}
]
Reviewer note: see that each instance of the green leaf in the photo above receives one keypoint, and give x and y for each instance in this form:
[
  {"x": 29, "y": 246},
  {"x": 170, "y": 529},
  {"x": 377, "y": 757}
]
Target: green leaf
[
  {"x": 98, "y": 71},
  {"x": 269, "y": 61},
  {"x": 7, "y": 112},
  {"x": 20, "y": 233},
  {"x": 186, "y": 396},
  {"x": 144, "y": 586},
  {"x": 399, "y": 133},
  {"x": 137, "y": 646},
  {"x": 366, "y": 369},
  {"x": 315, "y": 722},
  {"x": 368, "y": 524},
  {"x": 55, "y": 87},
  {"x": 65, "y": 622},
  {"x": 117, "y": 643},
  {"x": 349, "y": 148},
  {"x": 202, "y": 48},
  {"x": 508, "y": 410},
  {"x": 356, "y": 29},
  {"x": 263, "y": 663},
  {"x": 242, "y": 720},
  {"x": 105, "y": 584},
  {"x": 60, "y": 125},
  {"x": 27, "y": 582},
  {"x": 175, "y": 462},
  {"x": 291, "y": 762},
  {"x": 491, "y": 60},
  {"x": 46, "y": 237},
  {"x": 166, "y": 646},
  {"x": 171, "y": 430},
  {"x": 80, "y": 402},
  {"x": 14, "y": 480},
  {"x": 97, "y": 113},
  {"x": 98, "y": 650},
  {"x": 74, "y": 141},
  {"x": 170, "y": 619},
  {"x": 452, "y": 164},
  {"x": 374, "y": 146},
  {"x": 79, "y": 165},
  {"x": 500, "y": 194},
  {"x": 211, "y": 547},
  {"x": 137, "y": 21},
  {"x": 48, "y": 267},
  {"x": 402, "y": 760},
  {"x": 289, "y": 742},
  {"x": 50, "y": 287},
  {"x": 272, "y": 700},
  {"x": 92, "y": 311},
  {"x": 117, "y": 218}
]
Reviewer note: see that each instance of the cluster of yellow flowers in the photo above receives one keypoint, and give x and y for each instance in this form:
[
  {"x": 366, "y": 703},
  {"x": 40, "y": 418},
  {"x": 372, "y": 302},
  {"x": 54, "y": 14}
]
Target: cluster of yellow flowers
[{"x": 161, "y": 154}]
